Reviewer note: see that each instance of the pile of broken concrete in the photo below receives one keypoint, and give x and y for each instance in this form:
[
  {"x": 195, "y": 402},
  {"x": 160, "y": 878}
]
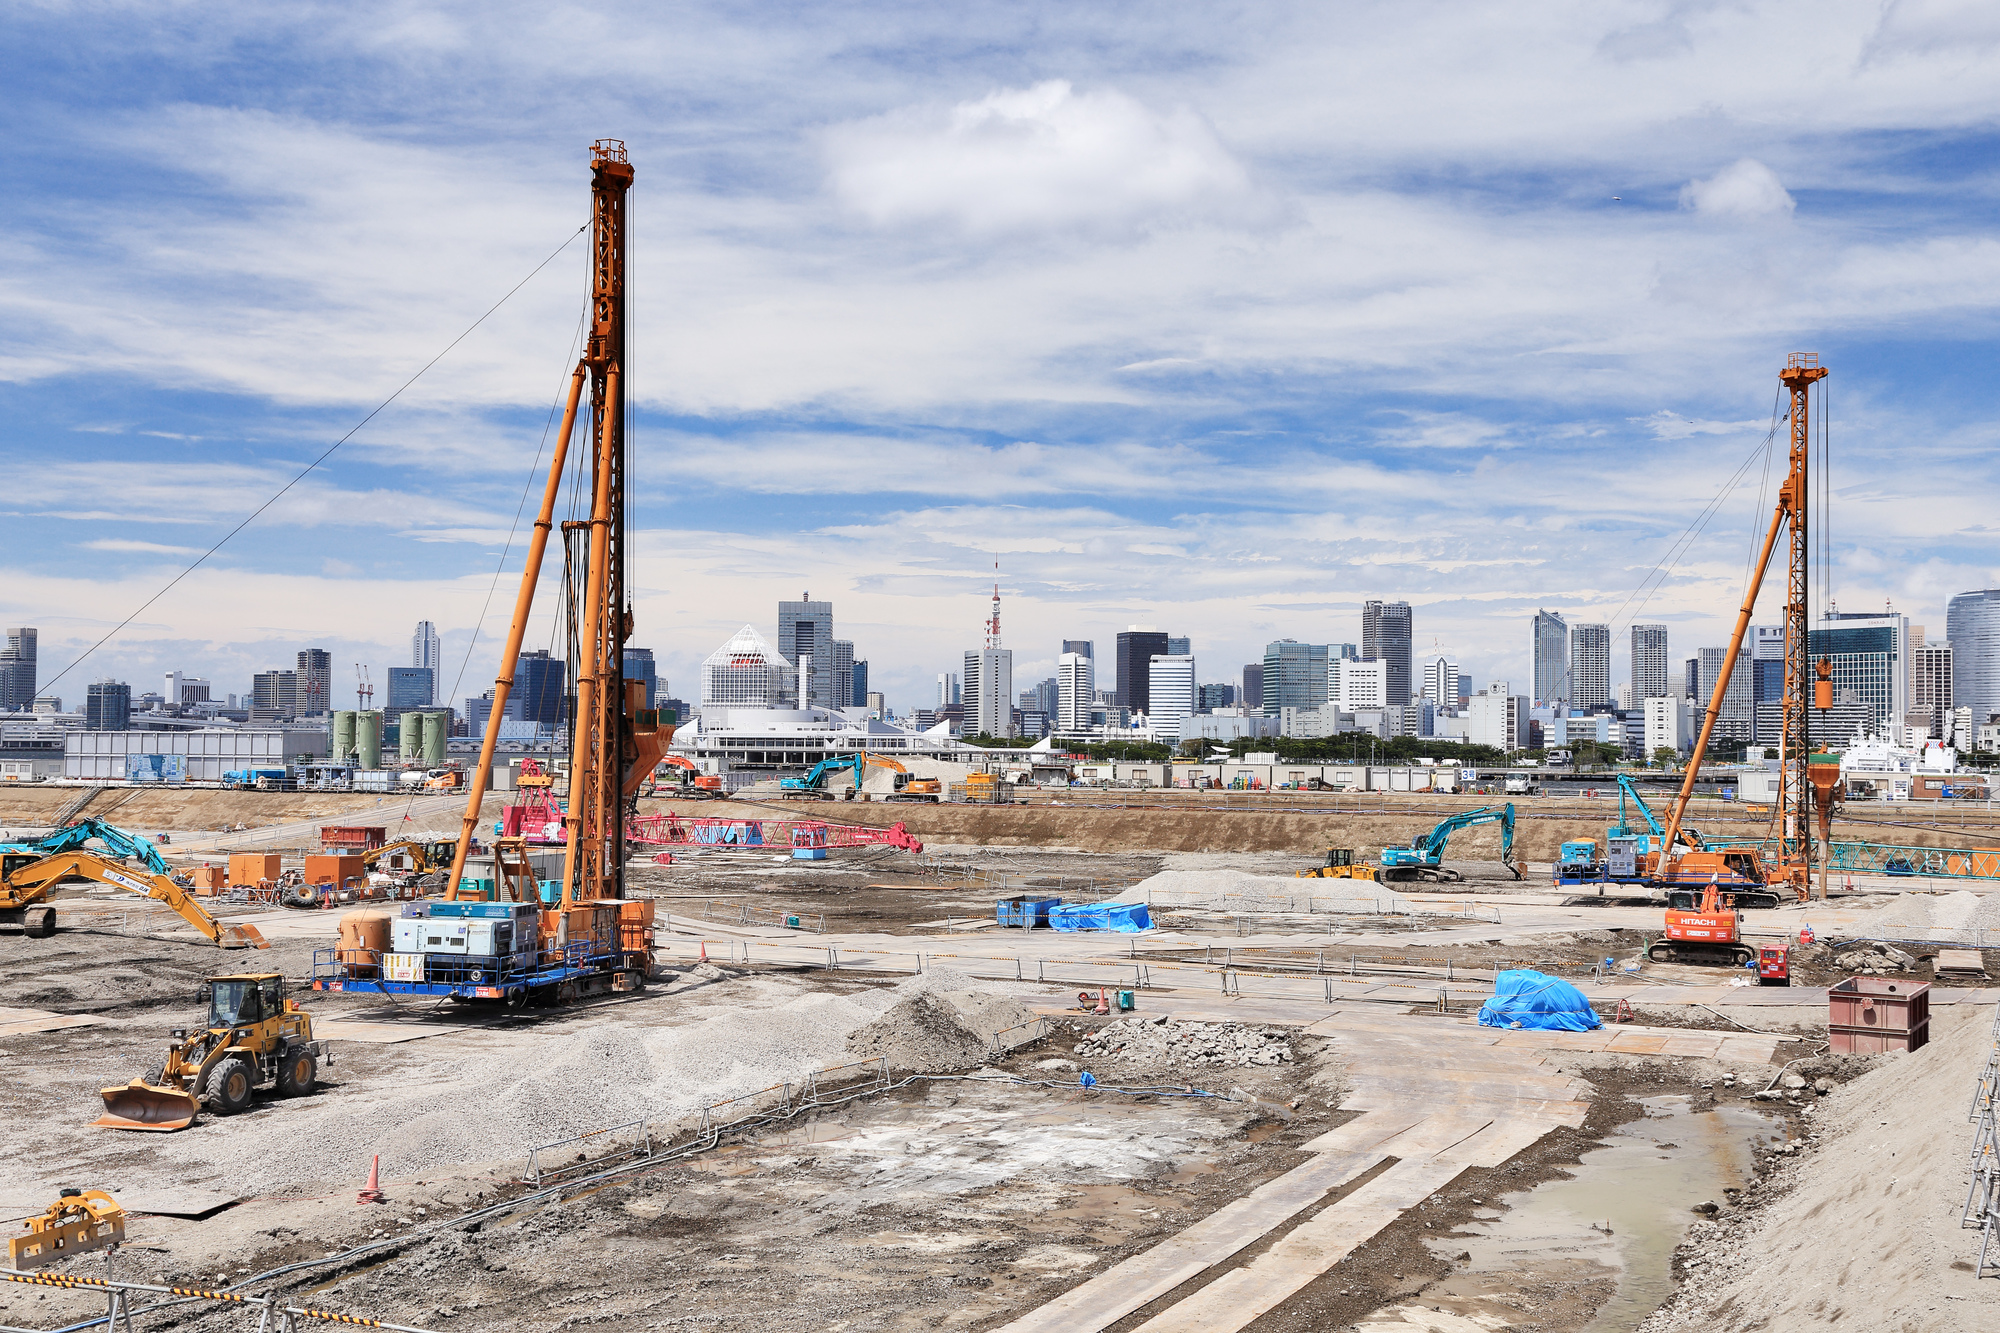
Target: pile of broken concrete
[
  {"x": 1159, "y": 1040},
  {"x": 1872, "y": 959}
]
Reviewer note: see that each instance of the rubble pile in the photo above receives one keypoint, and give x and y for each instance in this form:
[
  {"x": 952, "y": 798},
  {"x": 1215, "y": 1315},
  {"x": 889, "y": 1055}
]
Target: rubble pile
[
  {"x": 1873, "y": 959},
  {"x": 1159, "y": 1040}
]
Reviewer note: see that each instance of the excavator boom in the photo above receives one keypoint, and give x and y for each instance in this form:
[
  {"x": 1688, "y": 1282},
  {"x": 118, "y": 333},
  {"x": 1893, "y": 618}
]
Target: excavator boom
[{"x": 30, "y": 885}]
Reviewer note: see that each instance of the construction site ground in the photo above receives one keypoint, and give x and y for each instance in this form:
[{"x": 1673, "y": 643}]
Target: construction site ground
[{"x": 1404, "y": 1169}]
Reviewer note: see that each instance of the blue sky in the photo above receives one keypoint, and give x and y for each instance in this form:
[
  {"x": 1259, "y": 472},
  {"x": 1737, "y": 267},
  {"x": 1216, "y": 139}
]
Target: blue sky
[{"x": 1216, "y": 319}]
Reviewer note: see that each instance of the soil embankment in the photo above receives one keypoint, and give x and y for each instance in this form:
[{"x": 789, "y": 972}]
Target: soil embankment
[{"x": 1302, "y": 823}]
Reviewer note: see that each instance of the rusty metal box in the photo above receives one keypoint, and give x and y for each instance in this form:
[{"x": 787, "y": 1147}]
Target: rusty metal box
[{"x": 1868, "y": 1015}]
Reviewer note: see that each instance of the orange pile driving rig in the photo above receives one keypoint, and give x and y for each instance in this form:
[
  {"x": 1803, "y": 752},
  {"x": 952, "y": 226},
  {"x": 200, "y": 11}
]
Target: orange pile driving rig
[{"x": 1684, "y": 865}]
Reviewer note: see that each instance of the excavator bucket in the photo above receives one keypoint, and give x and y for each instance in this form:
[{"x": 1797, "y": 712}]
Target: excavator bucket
[
  {"x": 242, "y": 937},
  {"x": 140, "y": 1105}
]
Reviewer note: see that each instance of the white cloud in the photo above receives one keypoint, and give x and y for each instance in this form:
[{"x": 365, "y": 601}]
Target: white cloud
[
  {"x": 152, "y": 548},
  {"x": 1039, "y": 157},
  {"x": 1743, "y": 189}
]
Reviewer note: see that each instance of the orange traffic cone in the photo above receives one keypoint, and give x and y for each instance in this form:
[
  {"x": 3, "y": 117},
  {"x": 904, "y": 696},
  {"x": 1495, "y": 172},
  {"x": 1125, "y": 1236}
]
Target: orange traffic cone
[
  {"x": 704, "y": 952},
  {"x": 373, "y": 1194},
  {"x": 1103, "y": 1005}
]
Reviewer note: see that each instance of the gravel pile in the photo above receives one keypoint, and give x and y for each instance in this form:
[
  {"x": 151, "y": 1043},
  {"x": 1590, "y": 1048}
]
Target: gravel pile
[
  {"x": 477, "y": 1096},
  {"x": 1236, "y": 890},
  {"x": 1162, "y": 1041},
  {"x": 1920, "y": 914},
  {"x": 941, "y": 1021}
]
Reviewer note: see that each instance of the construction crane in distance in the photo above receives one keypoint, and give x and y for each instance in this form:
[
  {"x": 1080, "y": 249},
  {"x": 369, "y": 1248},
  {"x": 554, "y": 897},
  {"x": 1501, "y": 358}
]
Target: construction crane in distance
[{"x": 364, "y": 693}]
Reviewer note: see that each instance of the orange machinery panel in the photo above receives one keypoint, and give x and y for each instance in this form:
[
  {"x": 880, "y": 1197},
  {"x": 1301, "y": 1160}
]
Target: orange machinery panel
[
  {"x": 1704, "y": 927},
  {"x": 330, "y": 868},
  {"x": 248, "y": 868}
]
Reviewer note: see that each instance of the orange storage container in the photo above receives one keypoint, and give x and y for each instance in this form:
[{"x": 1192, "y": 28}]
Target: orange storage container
[
  {"x": 364, "y": 938},
  {"x": 248, "y": 868},
  {"x": 330, "y": 869},
  {"x": 209, "y": 879}
]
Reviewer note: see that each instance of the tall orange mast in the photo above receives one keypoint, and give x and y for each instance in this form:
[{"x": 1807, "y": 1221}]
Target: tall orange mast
[
  {"x": 617, "y": 740},
  {"x": 1802, "y": 370}
]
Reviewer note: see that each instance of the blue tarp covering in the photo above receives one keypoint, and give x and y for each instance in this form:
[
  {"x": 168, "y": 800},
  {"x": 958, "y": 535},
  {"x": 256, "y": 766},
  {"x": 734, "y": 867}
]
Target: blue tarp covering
[
  {"x": 1528, "y": 999},
  {"x": 1101, "y": 916}
]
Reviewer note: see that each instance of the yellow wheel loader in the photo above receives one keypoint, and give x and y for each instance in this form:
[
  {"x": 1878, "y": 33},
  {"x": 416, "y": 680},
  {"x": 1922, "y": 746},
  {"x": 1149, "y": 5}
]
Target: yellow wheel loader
[
  {"x": 256, "y": 1037},
  {"x": 1340, "y": 864}
]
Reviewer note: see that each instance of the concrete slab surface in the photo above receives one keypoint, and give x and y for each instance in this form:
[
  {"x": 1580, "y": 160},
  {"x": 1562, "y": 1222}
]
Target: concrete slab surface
[
  {"x": 15, "y": 1022},
  {"x": 350, "y": 1029}
]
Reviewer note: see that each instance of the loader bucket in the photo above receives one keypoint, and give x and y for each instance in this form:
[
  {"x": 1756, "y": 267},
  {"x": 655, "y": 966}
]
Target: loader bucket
[
  {"x": 139, "y": 1105},
  {"x": 242, "y": 937}
]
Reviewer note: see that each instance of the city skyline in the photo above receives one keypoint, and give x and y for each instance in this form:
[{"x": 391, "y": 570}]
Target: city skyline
[{"x": 1238, "y": 396}]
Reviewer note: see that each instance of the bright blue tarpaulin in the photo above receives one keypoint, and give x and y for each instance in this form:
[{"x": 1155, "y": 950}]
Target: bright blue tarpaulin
[
  {"x": 1101, "y": 916},
  {"x": 1528, "y": 999}
]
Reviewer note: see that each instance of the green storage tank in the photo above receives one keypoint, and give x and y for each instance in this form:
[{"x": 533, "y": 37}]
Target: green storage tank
[
  {"x": 410, "y": 732},
  {"x": 436, "y": 725},
  {"x": 343, "y": 735},
  {"x": 368, "y": 738}
]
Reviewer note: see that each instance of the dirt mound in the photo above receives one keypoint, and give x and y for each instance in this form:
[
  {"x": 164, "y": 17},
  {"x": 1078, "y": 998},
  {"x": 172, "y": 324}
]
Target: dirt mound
[
  {"x": 941, "y": 1022},
  {"x": 1226, "y": 890},
  {"x": 1866, "y": 1229}
]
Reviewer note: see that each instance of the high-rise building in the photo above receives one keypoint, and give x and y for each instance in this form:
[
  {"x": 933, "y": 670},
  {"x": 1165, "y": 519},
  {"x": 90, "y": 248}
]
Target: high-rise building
[
  {"x": 1045, "y": 696},
  {"x": 1972, "y": 626},
  {"x": 1295, "y": 676},
  {"x": 989, "y": 691},
  {"x": 843, "y": 673},
  {"x": 805, "y": 629},
  {"x": 1361, "y": 684},
  {"x": 540, "y": 682},
  {"x": 1736, "y": 721},
  {"x": 1079, "y": 646},
  {"x": 1870, "y": 654},
  {"x": 949, "y": 693},
  {"x": 1933, "y": 688},
  {"x": 1590, "y": 665},
  {"x": 410, "y": 687},
  {"x": 1137, "y": 647},
  {"x": 17, "y": 670},
  {"x": 315, "y": 674},
  {"x": 1211, "y": 697},
  {"x": 1170, "y": 688},
  {"x": 1498, "y": 717},
  {"x": 1649, "y": 663},
  {"x": 1385, "y": 637},
  {"x": 274, "y": 694},
  {"x": 426, "y": 649},
  {"x": 639, "y": 665},
  {"x": 1766, "y": 642},
  {"x": 108, "y": 706},
  {"x": 1076, "y": 691},
  {"x": 1441, "y": 684},
  {"x": 1253, "y": 686},
  {"x": 860, "y": 695},
  {"x": 181, "y": 690},
  {"x": 1179, "y": 647},
  {"x": 1548, "y": 644},
  {"x": 747, "y": 672}
]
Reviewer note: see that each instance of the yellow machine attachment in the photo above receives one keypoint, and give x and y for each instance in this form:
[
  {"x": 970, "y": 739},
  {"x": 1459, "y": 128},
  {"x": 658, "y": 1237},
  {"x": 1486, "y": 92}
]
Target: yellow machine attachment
[
  {"x": 28, "y": 886},
  {"x": 1340, "y": 864},
  {"x": 80, "y": 1220},
  {"x": 255, "y": 1037}
]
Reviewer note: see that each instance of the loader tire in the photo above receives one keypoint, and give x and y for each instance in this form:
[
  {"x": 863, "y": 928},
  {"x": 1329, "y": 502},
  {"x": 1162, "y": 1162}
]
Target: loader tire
[
  {"x": 297, "y": 1072},
  {"x": 155, "y": 1074},
  {"x": 231, "y": 1085}
]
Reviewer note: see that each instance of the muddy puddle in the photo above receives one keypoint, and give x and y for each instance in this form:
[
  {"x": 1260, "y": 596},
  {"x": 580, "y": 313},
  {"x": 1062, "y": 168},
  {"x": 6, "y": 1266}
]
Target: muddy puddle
[{"x": 1598, "y": 1247}]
